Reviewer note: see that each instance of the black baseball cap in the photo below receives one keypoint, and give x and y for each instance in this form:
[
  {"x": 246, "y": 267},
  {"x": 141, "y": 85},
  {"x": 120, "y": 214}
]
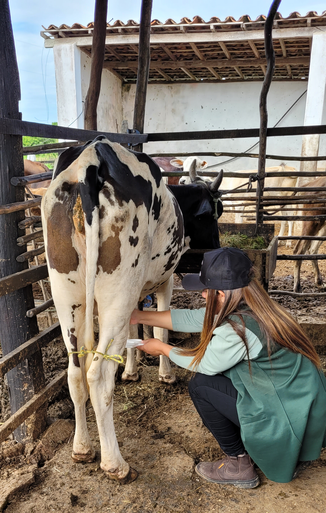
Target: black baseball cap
[{"x": 221, "y": 269}]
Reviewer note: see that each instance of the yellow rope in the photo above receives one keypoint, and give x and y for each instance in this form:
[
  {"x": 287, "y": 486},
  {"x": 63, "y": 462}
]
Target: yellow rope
[{"x": 83, "y": 352}]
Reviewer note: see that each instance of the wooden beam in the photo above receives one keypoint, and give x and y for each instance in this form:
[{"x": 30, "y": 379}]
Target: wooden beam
[
  {"x": 254, "y": 49},
  {"x": 20, "y": 205},
  {"x": 161, "y": 72},
  {"x": 29, "y": 255},
  {"x": 113, "y": 52},
  {"x": 176, "y": 37},
  {"x": 24, "y": 351},
  {"x": 169, "y": 53},
  {"x": 135, "y": 48},
  {"x": 221, "y": 63},
  {"x": 21, "y": 279},
  {"x": 44, "y": 306},
  {"x": 225, "y": 50},
  {"x": 216, "y": 75},
  {"x": 17, "y": 127},
  {"x": 187, "y": 72},
  {"x": 32, "y": 405},
  {"x": 239, "y": 72},
  {"x": 197, "y": 51}
]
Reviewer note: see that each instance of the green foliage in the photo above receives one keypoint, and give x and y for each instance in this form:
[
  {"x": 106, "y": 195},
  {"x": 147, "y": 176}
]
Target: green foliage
[
  {"x": 37, "y": 141},
  {"x": 241, "y": 241}
]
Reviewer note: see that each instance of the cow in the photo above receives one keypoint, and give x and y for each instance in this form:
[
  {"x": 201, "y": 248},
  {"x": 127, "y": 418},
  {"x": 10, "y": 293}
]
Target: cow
[
  {"x": 165, "y": 165},
  {"x": 311, "y": 228},
  {"x": 185, "y": 165},
  {"x": 36, "y": 168},
  {"x": 113, "y": 233},
  {"x": 230, "y": 184}
]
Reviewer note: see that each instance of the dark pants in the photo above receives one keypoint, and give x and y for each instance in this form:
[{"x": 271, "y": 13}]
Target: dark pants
[{"x": 215, "y": 399}]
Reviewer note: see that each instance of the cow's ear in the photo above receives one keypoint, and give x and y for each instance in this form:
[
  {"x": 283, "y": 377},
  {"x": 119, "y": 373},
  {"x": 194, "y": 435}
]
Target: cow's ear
[
  {"x": 204, "y": 208},
  {"x": 176, "y": 162}
]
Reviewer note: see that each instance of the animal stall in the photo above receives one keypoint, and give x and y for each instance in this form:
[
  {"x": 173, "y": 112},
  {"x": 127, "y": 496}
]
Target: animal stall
[{"x": 20, "y": 340}]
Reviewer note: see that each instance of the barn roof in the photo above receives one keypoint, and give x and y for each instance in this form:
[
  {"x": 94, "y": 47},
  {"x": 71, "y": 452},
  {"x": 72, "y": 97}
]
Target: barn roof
[{"x": 196, "y": 50}]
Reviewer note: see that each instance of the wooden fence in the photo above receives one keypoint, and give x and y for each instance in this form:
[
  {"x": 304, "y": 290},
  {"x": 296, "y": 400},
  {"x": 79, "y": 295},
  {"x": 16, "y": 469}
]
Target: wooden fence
[{"x": 20, "y": 340}]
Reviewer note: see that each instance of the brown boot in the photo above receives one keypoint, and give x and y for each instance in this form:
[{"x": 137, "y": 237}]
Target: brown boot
[{"x": 236, "y": 470}]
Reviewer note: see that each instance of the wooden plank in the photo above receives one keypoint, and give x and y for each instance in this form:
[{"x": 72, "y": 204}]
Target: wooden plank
[
  {"x": 32, "y": 405},
  {"x": 212, "y": 63},
  {"x": 301, "y": 257},
  {"x": 20, "y": 205},
  {"x": 21, "y": 279},
  {"x": 44, "y": 306},
  {"x": 28, "y": 255},
  {"x": 21, "y": 241},
  {"x": 17, "y": 127},
  {"x": 235, "y": 134},
  {"x": 25, "y": 350},
  {"x": 26, "y": 180}
]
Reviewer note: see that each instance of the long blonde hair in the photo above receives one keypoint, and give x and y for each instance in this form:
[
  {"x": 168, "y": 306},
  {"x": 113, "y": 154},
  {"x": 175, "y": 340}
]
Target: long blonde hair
[{"x": 275, "y": 323}]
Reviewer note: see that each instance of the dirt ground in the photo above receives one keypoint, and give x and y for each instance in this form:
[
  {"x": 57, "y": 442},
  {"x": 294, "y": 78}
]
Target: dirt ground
[{"x": 160, "y": 434}]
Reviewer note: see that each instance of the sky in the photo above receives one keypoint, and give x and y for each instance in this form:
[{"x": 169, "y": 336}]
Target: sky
[{"x": 35, "y": 63}]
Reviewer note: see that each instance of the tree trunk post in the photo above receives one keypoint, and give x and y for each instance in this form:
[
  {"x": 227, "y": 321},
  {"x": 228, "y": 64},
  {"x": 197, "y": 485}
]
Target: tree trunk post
[
  {"x": 144, "y": 59},
  {"x": 15, "y": 327},
  {"x": 270, "y": 56},
  {"x": 98, "y": 51}
]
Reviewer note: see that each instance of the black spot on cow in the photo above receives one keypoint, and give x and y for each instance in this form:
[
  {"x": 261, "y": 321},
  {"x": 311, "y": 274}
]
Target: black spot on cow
[
  {"x": 72, "y": 281},
  {"x": 168, "y": 250},
  {"x": 133, "y": 241},
  {"x": 107, "y": 194},
  {"x": 127, "y": 187},
  {"x": 157, "y": 203},
  {"x": 102, "y": 212},
  {"x": 89, "y": 191},
  {"x": 156, "y": 256},
  {"x": 74, "y": 307},
  {"x": 136, "y": 262},
  {"x": 73, "y": 341},
  {"x": 135, "y": 224},
  {"x": 154, "y": 168}
]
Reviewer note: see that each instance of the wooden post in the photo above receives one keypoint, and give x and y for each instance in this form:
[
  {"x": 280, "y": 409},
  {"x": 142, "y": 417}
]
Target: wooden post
[
  {"x": 144, "y": 58},
  {"x": 270, "y": 56},
  {"x": 15, "y": 327},
  {"x": 98, "y": 50}
]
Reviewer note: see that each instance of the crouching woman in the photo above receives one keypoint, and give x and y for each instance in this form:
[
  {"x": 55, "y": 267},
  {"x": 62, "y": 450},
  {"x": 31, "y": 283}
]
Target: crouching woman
[{"x": 258, "y": 386}]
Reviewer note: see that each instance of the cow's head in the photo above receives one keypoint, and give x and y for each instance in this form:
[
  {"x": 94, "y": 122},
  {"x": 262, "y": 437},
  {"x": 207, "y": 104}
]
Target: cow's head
[{"x": 201, "y": 207}]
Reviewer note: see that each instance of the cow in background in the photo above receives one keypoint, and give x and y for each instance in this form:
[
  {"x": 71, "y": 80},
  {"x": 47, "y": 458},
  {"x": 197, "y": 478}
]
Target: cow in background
[
  {"x": 230, "y": 184},
  {"x": 113, "y": 234},
  {"x": 36, "y": 168},
  {"x": 311, "y": 228}
]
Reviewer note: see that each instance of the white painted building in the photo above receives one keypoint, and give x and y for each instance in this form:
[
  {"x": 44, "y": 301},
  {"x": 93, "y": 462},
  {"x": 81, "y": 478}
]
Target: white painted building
[{"x": 203, "y": 76}]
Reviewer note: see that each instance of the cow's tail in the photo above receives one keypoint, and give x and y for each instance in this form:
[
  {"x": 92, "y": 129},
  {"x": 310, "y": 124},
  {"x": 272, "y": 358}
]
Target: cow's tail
[{"x": 89, "y": 192}]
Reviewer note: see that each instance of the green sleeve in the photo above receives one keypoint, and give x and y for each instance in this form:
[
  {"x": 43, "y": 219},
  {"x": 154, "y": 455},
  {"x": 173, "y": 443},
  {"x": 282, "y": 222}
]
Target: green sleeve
[
  {"x": 224, "y": 351},
  {"x": 188, "y": 321}
]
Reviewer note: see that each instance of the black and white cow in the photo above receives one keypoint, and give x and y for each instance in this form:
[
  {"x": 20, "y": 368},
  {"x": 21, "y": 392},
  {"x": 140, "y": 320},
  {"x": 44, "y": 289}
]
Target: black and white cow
[{"x": 113, "y": 233}]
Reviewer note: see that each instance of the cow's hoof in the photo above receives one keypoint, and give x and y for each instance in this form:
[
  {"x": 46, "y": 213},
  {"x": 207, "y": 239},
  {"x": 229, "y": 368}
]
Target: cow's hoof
[
  {"x": 168, "y": 378},
  {"x": 129, "y": 478},
  {"x": 130, "y": 377},
  {"x": 83, "y": 458}
]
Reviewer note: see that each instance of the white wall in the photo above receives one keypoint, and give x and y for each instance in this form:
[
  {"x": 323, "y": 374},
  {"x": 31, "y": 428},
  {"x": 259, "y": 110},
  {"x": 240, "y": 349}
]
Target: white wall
[
  {"x": 185, "y": 107},
  {"x": 200, "y": 107}
]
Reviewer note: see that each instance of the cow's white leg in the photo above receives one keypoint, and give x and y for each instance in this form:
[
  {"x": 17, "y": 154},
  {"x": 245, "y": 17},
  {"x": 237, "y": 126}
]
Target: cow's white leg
[
  {"x": 83, "y": 450},
  {"x": 130, "y": 373},
  {"x": 163, "y": 296},
  {"x": 101, "y": 377},
  {"x": 282, "y": 232},
  {"x": 71, "y": 314},
  {"x": 290, "y": 233}
]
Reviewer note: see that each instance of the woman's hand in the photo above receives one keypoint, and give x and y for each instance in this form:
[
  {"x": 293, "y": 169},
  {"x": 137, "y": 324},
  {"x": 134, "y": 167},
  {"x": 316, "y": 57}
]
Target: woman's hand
[
  {"x": 155, "y": 347},
  {"x": 134, "y": 319}
]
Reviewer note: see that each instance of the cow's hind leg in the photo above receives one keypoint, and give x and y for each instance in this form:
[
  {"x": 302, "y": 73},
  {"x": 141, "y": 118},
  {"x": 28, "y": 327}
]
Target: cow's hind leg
[
  {"x": 163, "y": 296},
  {"x": 101, "y": 378},
  {"x": 83, "y": 451},
  {"x": 314, "y": 247}
]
